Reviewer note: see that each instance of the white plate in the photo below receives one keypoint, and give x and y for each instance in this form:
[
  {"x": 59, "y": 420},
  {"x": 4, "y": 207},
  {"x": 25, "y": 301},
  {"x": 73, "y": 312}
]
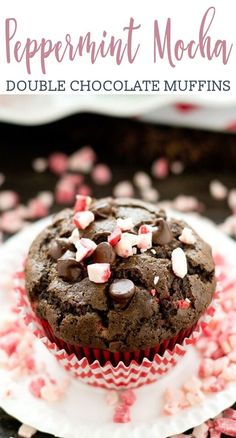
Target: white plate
[
  {"x": 215, "y": 113},
  {"x": 83, "y": 412}
]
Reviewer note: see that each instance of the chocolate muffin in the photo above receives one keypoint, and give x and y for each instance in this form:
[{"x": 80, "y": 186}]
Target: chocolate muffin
[{"x": 116, "y": 275}]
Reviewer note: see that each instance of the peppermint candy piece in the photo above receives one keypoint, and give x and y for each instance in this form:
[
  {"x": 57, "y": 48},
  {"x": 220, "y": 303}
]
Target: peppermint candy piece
[
  {"x": 125, "y": 224},
  {"x": 83, "y": 219},
  {"x": 101, "y": 174},
  {"x": 142, "y": 180},
  {"x": 145, "y": 228},
  {"x": 99, "y": 272},
  {"x": 124, "y": 247},
  {"x": 183, "y": 304},
  {"x": 122, "y": 414},
  {"x": 85, "y": 248},
  {"x": 114, "y": 237},
  {"x": 82, "y": 203},
  {"x": 58, "y": 163},
  {"x": 123, "y": 189},
  {"x": 218, "y": 190},
  {"x": 179, "y": 262},
  {"x": 144, "y": 241},
  {"x": 227, "y": 426},
  {"x": 8, "y": 199},
  {"x": 26, "y": 431},
  {"x": 187, "y": 236},
  {"x": 74, "y": 237}
]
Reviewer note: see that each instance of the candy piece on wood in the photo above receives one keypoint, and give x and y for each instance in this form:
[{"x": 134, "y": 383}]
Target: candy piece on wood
[
  {"x": 218, "y": 190},
  {"x": 8, "y": 199},
  {"x": 101, "y": 174},
  {"x": 58, "y": 163}
]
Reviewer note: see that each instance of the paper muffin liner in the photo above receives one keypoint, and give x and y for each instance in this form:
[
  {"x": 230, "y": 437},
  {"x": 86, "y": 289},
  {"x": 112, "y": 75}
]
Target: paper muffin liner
[{"x": 103, "y": 368}]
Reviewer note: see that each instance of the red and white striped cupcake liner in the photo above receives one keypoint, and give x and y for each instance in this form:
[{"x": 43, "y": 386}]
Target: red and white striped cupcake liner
[{"x": 112, "y": 370}]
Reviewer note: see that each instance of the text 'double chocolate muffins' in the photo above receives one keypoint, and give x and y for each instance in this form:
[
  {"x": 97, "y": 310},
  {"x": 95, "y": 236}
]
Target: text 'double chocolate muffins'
[{"x": 117, "y": 275}]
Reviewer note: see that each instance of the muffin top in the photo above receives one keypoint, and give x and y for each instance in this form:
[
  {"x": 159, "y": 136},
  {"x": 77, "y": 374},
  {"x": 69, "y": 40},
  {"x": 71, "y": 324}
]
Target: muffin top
[{"x": 117, "y": 274}]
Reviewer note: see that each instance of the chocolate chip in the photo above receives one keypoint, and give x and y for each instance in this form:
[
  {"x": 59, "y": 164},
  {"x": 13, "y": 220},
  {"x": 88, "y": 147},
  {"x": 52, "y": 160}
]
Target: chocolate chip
[
  {"x": 162, "y": 214},
  {"x": 122, "y": 290},
  {"x": 58, "y": 247},
  {"x": 102, "y": 209},
  {"x": 163, "y": 234},
  {"x": 104, "y": 253},
  {"x": 68, "y": 268}
]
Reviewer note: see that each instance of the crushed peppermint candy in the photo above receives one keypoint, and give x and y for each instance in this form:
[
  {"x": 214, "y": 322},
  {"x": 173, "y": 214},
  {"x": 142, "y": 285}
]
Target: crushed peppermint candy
[
  {"x": 64, "y": 191},
  {"x": 58, "y": 162},
  {"x": 156, "y": 279},
  {"x": 122, "y": 414},
  {"x": 218, "y": 190},
  {"x": 37, "y": 208},
  {"x": 122, "y": 401},
  {"x": 150, "y": 194},
  {"x": 217, "y": 367},
  {"x": 123, "y": 189},
  {"x": 26, "y": 431},
  {"x": 187, "y": 236},
  {"x": 124, "y": 248},
  {"x": 46, "y": 197},
  {"x": 99, "y": 272},
  {"x": 128, "y": 397},
  {"x": 11, "y": 221},
  {"x": 8, "y": 200},
  {"x": 101, "y": 174},
  {"x": 115, "y": 236},
  {"x": 145, "y": 228},
  {"x": 17, "y": 356},
  {"x": 83, "y": 219},
  {"x": 179, "y": 262},
  {"x": 84, "y": 248},
  {"x": 39, "y": 165},
  {"x": 186, "y": 203},
  {"x": 160, "y": 168},
  {"x": 184, "y": 304},
  {"x": 85, "y": 190},
  {"x": 177, "y": 167},
  {"x": 142, "y": 180},
  {"x": 82, "y": 203},
  {"x": 112, "y": 397},
  {"x": 144, "y": 241},
  {"x": 125, "y": 224},
  {"x": 74, "y": 237},
  {"x": 82, "y": 160}
]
